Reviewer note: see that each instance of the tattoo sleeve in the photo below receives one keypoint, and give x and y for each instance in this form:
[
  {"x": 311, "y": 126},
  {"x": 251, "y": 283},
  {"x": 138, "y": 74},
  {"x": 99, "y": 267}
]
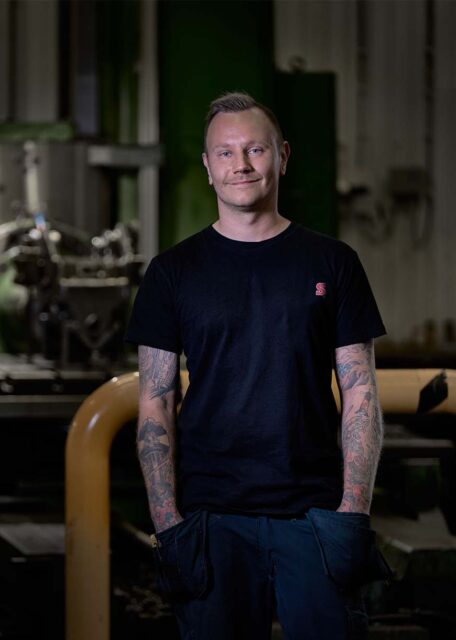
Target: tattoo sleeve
[
  {"x": 362, "y": 425},
  {"x": 156, "y": 438}
]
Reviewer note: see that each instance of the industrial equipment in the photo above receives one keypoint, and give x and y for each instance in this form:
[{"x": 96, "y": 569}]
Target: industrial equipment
[{"x": 70, "y": 292}]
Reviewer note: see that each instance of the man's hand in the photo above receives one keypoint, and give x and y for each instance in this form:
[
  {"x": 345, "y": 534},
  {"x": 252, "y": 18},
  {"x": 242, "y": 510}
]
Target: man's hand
[
  {"x": 362, "y": 425},
  {"x": 158, "y": 371}
]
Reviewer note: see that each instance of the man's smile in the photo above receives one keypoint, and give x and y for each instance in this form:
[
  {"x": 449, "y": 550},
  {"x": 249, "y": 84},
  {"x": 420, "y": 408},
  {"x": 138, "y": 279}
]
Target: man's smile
[{"x": 242, "y": 182}]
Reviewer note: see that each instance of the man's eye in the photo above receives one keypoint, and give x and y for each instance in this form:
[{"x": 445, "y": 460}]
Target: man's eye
[
  {"x": 224, "y": 154},
  {"x": 255, "y": 151}
]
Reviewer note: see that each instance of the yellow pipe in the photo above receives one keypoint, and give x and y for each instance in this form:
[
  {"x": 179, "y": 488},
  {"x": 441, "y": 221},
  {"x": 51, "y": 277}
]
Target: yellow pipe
[
  {"x": 88, "y": 446},
  {"x": 399, "y": 389}
]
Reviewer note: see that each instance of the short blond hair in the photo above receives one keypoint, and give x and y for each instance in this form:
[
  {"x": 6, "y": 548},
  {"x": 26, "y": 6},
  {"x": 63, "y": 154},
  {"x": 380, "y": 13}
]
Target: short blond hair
[{"x": 233, "y": 102}]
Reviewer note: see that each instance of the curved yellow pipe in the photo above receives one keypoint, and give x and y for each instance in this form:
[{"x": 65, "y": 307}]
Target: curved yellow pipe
[{"x": 88, "y": 446}]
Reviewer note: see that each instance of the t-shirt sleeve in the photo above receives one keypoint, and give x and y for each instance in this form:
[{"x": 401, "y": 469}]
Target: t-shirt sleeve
[
  {"x": 153, "y": 320},
  {"x": 358, "y": 318}
]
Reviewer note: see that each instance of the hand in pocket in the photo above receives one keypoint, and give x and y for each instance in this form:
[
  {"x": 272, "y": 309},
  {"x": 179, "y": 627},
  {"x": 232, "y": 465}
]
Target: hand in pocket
[
  {"x": 348, "y": 548},
  {"x": 180, "y": 554}
]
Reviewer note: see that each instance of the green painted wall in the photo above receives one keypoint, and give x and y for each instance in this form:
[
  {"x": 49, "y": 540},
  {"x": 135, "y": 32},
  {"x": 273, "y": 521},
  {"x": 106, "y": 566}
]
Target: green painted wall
[
  {"x": 306, "y": 107},
  {"x": 205, "y": 48}
]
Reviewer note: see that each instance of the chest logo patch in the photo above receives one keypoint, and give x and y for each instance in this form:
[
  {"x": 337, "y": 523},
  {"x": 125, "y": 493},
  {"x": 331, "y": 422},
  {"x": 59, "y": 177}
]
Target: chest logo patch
[{"x": 320, "y": 289}]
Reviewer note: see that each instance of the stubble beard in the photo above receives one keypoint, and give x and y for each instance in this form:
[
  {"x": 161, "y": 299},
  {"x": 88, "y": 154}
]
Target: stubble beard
[{"x": 255, "y": 205}]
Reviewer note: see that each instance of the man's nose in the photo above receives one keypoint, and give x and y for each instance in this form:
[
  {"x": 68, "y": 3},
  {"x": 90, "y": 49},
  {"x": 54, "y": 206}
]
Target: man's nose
[{"x": 242, "y": 163}]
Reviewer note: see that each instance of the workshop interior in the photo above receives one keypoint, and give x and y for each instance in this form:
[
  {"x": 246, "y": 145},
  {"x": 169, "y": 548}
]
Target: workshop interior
[{"x": 102, "y": 107}]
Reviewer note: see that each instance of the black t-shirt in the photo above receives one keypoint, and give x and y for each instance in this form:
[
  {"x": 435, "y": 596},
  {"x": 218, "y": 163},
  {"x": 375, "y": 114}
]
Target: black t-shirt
[{"x": 258, "y": 323}]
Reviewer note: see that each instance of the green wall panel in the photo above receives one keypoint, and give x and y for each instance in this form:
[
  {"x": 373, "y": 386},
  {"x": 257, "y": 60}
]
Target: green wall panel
[
  {"x": 205, "y": 49},
  {"x": 306, "y": 107}
]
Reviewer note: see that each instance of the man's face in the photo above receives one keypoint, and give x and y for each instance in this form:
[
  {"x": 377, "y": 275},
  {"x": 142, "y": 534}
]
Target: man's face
[{"x": 244, "y": 161}]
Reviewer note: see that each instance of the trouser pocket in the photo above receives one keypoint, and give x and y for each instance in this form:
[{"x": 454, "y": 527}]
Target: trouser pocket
[
  {"x": 348, "y": 548},
  {"x": 181, "y": 559}
]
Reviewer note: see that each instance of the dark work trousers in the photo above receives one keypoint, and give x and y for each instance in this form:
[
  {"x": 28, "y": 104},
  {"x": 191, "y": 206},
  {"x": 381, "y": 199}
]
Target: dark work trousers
[{"x": 228, "y": 573}]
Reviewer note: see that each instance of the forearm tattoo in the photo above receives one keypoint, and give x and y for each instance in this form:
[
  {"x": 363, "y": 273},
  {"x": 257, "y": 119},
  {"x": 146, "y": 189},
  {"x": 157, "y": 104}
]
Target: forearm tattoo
[
  {"x": 156, "y": 432},
  {"x": 157, "y": 372},
  {"x": 362, "y": 428}
]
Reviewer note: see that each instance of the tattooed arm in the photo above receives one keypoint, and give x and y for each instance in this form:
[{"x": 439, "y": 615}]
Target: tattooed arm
[
  {"x": 362, "y": 427},
  {"x": 158, "y": 371}
]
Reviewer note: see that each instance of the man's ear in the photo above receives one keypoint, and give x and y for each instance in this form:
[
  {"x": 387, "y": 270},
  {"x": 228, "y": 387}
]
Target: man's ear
[
  {"x": 206, "y": 164},
  {"x": 284, "y": 155}
]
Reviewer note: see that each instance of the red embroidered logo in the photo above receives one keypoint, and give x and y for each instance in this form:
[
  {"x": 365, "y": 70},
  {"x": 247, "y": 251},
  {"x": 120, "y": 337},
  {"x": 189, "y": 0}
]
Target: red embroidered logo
[{"x": 320, "y": 289}]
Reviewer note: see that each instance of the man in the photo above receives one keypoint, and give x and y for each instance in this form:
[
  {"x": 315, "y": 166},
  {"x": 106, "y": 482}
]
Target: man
[{"x": 253, "y": 503}]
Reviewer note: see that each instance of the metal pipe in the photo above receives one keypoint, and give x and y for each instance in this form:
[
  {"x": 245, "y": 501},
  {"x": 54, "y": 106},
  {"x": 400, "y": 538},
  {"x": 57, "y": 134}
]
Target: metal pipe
[
  {"x": 88, "y": 446},
  {"x": 92, "y": 431},
  {"x": 399, "y": 389}
]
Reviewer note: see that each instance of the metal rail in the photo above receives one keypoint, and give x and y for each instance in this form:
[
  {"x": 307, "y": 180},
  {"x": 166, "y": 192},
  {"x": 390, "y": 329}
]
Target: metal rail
[{"x": 92, "y": 431}]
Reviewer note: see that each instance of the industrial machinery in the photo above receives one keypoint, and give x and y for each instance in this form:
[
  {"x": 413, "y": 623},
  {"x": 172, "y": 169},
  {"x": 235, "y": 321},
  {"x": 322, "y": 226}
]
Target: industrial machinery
[
  {"x": 70, "y": 292},
  {"x": 63, "y": 294}
]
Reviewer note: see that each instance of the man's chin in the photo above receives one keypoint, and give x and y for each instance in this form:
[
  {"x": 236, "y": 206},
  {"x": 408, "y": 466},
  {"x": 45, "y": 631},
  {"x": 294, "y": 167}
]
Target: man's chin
[{"x": 246, "y": 205}]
